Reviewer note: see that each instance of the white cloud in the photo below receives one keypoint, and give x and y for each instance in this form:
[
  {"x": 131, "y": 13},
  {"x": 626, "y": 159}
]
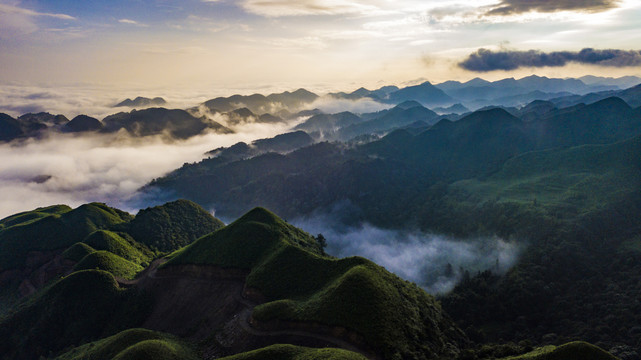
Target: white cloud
[
  {"x": 277, "y": 8},
  {"x": 132, "y": 22},
  {"x": 16, "y": 21},
  {"x": 9, "y": 9}
]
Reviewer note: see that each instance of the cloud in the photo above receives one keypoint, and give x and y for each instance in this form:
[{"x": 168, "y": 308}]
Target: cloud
[
  {"x": 434, "y": 262},
  {"x": 105, "y": 168},
  {"x": 508, "y": 7},
  {"x": 8, "y": 9},
  {"x": 278, "y": 8},
  {"x": 131, "y": 22},
  {"x": 484, "y": 60},
  {"x": 16, "y": 21},
  {"x": 331, "y": 105}
]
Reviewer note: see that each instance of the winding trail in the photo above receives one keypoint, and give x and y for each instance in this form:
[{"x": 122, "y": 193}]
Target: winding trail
[{"x": 243, "y": 318}]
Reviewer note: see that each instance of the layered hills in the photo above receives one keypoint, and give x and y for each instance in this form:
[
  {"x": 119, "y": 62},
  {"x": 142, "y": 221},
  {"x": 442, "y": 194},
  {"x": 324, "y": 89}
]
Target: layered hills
[
  {"x": 562, "y": 181},
  {"x": 255, "y": 282}
]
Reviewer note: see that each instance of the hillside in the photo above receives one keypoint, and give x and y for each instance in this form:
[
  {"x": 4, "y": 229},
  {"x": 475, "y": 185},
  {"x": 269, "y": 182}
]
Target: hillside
[
  {"x": 300, "y": 285},
  {"x": 291, "y": 292},
  {"x": 37, "y": 247}
]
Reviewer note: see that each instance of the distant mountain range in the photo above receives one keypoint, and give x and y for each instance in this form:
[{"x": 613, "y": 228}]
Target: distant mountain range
[
  {"x": 451, "y": 99},
  {"x": 141, "y": 102}
]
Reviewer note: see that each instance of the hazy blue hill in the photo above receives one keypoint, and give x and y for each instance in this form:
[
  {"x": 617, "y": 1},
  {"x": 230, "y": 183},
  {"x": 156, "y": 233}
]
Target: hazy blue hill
[
  {"x": 326, "y": 125},
  {"x": 394, "y": 118},
  {"x": 141, "y": 344},
  {"x": 142, "y": 102},
  {"x": 284, "y": 142},
  {"x": 456, "y": 109},
  {"x": 291, "y": 352},
  {"x": 260, "y": 104},
  {"x": 294, "y": 99},
  {"x": 82, "y": 123},
  {"x": 302, "y": 285},
  {"x": 536, "y": 110},
  {"x": 9, "y": 128},
  {"x": 383, "y": 92},
  {"x": 172, "y": 225},
  {"x": 632, "y": 96},
  {"x": 425, "y": 93},
  {"x": 623, "y": 82},
  {"x": 226, "y": 104},
  {"x": 81, "y": 307},
  {"x": 178, "y": 124}
]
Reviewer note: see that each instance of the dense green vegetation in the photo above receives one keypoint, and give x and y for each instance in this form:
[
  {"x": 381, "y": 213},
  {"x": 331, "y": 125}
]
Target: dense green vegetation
[
  {"x": 56, "y": 228},
  {"x": 121, "y": 244},
  {"x": 172, "y": 225},
  {"x": 77, "y": 251},
  {"x": 133, "y": 344},
  {"x": 108, "y": 261},
  {"x": 397, "y": 319},
  {"x": 81, "y": 307},
  {"x": 291, "y": 352},
  {"x": 577, "y": 350}
]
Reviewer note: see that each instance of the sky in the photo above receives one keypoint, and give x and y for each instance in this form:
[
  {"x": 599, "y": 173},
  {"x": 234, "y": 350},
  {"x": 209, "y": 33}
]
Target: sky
[{"x": 317, "y": 44}]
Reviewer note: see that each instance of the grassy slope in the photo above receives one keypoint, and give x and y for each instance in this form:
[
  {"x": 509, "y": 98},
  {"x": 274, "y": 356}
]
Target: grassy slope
[
  {"x": 59, "y": 230},
  {"x": 577, "y": 350},
  {"x": 78, "y": 308},
  {"x": 77, "y": 251},
  {"x": 290, "y": 352},
  {"x": 397, "y": 318},
  {"x": 107, "y": 261},
  {"x": 172, "y": 225},
  {"x": 120, "y": 244},
  {"x": 133, "y": 344}
]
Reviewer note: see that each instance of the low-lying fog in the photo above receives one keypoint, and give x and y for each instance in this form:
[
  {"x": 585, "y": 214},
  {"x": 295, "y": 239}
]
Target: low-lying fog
[
  {"x": 434, "y": 262},
  {"x": 72, "y": 170}
]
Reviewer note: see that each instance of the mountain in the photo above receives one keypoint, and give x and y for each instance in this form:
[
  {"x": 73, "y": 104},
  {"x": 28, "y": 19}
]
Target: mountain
[
  {"x": 622, "y": 82},
  {"x": 399, "y": 116},
  {"x": 37, "y": 246},
  {"x": 261, "y": 104},
  {"x": 456, "y": 109},
  {"x": 142, "y": 102},
  {"x": 82, "y": 123},
  {"x": 425, "y": 93},
  {"x": 172, "y": 225},
  {"x": 157, "y": 121},
  {"x": 572, "y": 205},
  {"x": 474, "y": 146},
  {"x": 326, "y": 125},
  {"x": 250, "y": 285},
  {"x": 9, "y": 128},
  {"x": 478, "y": 93},
  {"x": 282, "y": 143}
]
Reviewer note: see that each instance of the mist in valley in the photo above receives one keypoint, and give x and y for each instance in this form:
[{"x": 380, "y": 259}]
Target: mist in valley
[{"x": 433, "y": 261}]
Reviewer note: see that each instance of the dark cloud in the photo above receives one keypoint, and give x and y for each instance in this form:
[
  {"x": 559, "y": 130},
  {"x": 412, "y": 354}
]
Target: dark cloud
[
  {"x": 484, "y": 60},
  {"x": 507, "y": 7}
]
